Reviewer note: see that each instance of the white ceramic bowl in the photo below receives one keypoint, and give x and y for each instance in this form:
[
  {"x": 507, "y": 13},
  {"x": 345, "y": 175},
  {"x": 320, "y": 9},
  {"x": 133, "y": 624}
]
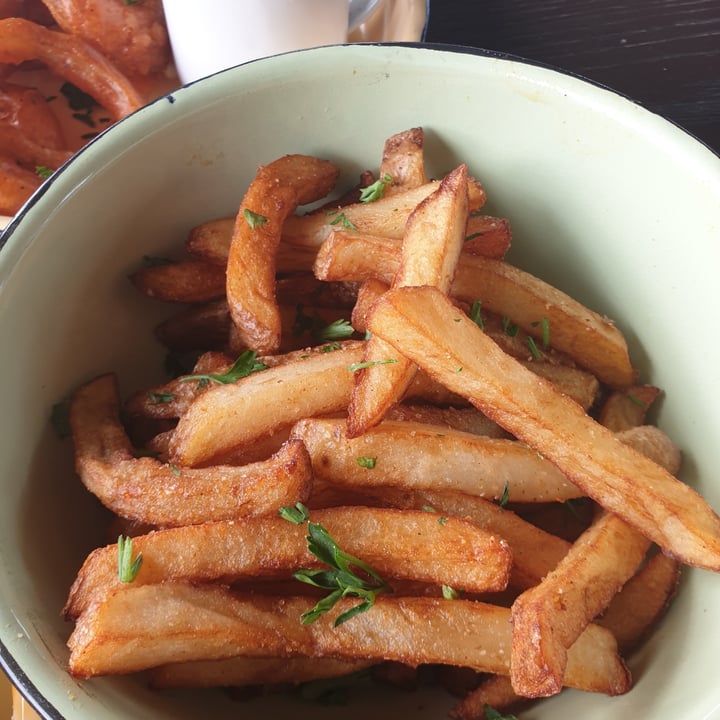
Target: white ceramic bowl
[{"x": 608, "y": 201}]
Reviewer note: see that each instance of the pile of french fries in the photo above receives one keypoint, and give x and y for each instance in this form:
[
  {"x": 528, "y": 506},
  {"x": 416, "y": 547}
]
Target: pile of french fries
[{"x": 375, "y": 370}]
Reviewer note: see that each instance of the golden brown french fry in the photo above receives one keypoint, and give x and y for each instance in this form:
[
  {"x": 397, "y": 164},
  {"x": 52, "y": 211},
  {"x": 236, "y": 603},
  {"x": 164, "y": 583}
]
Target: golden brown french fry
[
  {"x": 242, "y": 671},
  {"x": 229, "y": 416},
  {"x": 431, "y": 246},
  {"x": 189, "y": 281},
  {"x": 654, "y": 444},
  {"x": 148, "y": 491},
  {"x": 453, "y": 552},
  {"x": 542, "y": 311},
  {"x": 535, "y": 552},
  {"x": 488, "y": 236},
  {"x": 495, "y": 691},
  {"x": 203, "y": 326},
  {"x": 151, "y": 625},
  {"x": 368, "y": 292},
  {"x": 304, "y": 288},
  {"x": 453, "y": 350},
  {"x": 643, "y": 600},
  {"x": 624, "y": 409},
  {"x": 583, "y": 387},
  {"x": 580, "y": 385},
  {"x": 170, "y": 400},
  {"x": 549, "y": 617},
  {"x": 278, "y": 188},
  {"x": 428, "y": 457},
  {"x": 469, "y": 419},
  {"x": 404, "y": 161},
  {"x": 210, "y": 241},
  {"x": 385, "y": 217}
]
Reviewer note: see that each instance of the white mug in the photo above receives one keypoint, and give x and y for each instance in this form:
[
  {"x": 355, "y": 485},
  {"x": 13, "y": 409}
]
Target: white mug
[{"x": 212, "y": 35}]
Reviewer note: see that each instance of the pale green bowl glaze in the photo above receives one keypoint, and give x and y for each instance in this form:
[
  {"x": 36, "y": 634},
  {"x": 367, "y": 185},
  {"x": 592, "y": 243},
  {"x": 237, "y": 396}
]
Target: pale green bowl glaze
[{"x": 608, "y": 201}]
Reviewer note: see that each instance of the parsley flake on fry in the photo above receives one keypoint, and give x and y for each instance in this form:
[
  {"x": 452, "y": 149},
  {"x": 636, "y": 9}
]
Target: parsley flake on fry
[
  {"x": 534, "y": 348},
  {"x": 337, "y": 330},
  {"x": 544, "y": 325},
  {"x": 341, "y": 579},
  {"x": 253, "y": 219},
  {"x": 505, "y": 495},
  {"x": 127, "y": 567},
  {"x": 475, "y": 314},
  {"x": 366, "y": 462},
  {"x": 449, "y": 593},
  {"x": 245, "y": 365},
  {"x": 296, "y": 514},
  {"x": 509, "y": 327},
  {"x": 160, "y": 398},
  {"x": 342, "y": 219},
  {"x": 43, "y": 172},
  {"x": 362, "y": 365},
  {"x": 376, "y": 190}
]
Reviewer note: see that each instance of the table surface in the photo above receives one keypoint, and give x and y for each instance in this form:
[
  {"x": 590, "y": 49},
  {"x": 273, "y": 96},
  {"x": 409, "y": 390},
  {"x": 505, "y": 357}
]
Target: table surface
[{"x": 664, "y": 54}]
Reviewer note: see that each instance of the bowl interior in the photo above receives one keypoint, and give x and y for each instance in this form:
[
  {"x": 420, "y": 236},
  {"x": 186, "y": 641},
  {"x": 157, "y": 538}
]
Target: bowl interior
[{"x": 607, "y": 201}]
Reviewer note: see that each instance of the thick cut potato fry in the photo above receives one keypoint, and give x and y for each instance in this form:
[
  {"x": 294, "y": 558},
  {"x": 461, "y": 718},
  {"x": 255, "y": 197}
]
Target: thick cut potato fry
[
  {"x": 385, "y": 217},
  {"x": 535, "y": 552},
  {"x": 643, "y": 600},
  {"x": 432, "y": 242},
  {"x": 631, "y": 615},
  {"x": 243, "y": 671},
  {"x": 210, "y": 241},
  {"x": 590, "y": 339},
  {"x": 190, "y": 281},
  {"x": 654, "y": 444},
  {"x": 368, "y": 292},
  {"x": 454, "y": 552},
  {"x": 229, "y": 416},
  {"x": 496, "y": 692},
  {"x": 148, "y": 491},
  {"x": 428, "y": 457},
  {"x": 549, "y": 617},
  {"x": 170, "y": 400},
  {"x": 204, "y": 326},
  {"x": 304, "y": 288},
  {"x": 469, "y": 419},
  {"x": 583, "y": 387},
  {"x": 276, "y": 191},
  {"x": 453, "y": 350},
  {"x": 150, "y": 625},
  {"x": 403, "y": 160},
  {"x": 628, "y": 408},
  {"x": 488, "y": 236}
]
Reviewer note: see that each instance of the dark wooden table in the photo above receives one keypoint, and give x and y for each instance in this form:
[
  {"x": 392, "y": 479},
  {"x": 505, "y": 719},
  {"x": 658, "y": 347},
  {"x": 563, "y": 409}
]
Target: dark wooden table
[{"x": 664, "y": 54}]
